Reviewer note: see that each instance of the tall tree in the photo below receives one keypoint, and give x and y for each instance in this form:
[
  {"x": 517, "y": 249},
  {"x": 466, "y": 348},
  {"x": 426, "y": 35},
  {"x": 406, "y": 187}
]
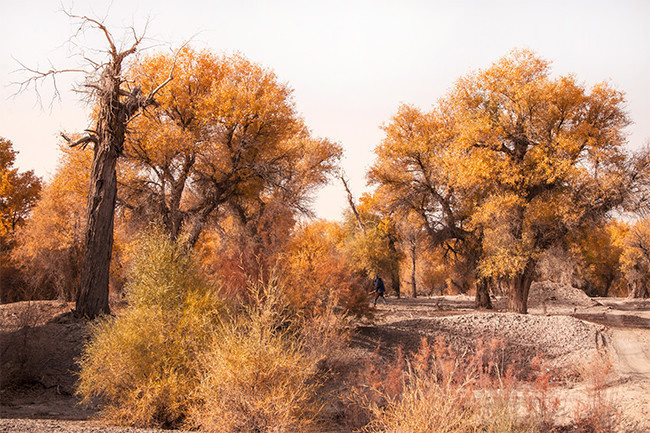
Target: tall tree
[
  {"x": 635, "y": 260},
  {"x": 226, "y": 137},
  {"x": 520, "y": 159},
  {"x": 415, "y": 178},
  {"x": 116, "y": 103},
  {"x": 49, "y": 247}
]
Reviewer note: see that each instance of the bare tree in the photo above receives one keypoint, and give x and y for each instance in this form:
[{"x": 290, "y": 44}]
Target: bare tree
[{"x": 116, "y": 103}]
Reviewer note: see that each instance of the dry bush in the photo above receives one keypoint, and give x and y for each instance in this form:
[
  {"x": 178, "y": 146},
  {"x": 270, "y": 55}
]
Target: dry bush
[
  {"x": 317, "y": 273},
  {"x": 176, "y": 357},
  {"x": 440, "y": 390},
  {"x": 596, "y": 413},
  {"x": 13, "y": 284},
  {"x": 141, "y": 365},
  {"x": 263, "y": 372}
]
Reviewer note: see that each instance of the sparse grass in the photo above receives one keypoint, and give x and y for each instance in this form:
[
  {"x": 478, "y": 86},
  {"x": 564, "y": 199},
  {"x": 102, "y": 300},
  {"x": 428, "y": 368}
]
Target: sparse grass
[{"x": 596, "y": 413}]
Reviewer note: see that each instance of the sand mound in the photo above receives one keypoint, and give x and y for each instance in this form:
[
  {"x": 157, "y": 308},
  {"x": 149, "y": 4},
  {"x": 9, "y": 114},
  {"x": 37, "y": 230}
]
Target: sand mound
[
  {"x": 39, "y": 343},
  {"x": 556, "y": 294},
  {"x": 560, "y": 340}
]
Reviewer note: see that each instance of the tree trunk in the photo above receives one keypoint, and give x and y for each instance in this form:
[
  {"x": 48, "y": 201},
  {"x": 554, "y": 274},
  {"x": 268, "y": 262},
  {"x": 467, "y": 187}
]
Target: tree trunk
[
  {"x": 92, "y": 298},
  {"x": 520, "y": 286},
  {"x": 394, "y": 275},
  {"x": 413, "y": 273},
  {"x": 483, "y": 294},
  {"x": 640, "y": 290},
  {"x": 394, "y": 266}
]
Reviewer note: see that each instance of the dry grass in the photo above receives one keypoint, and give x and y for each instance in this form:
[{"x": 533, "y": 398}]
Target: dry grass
[
  {"x": 440, "y": 390},
  {"x": 260, "y": 375}
]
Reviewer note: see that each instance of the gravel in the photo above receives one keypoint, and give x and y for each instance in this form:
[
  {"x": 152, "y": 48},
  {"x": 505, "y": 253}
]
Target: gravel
[{"x": 59, "y": 426}]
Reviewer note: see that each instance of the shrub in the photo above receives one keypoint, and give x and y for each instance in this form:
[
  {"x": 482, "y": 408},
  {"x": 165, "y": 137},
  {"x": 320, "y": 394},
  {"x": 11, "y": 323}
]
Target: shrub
[
  {"x": 142, "y": 364},
  {"x": 177, "y": 357},
  {"x": 260, "y": 375},
  {"x": 439, "y": 390},
  {"x": 317, "y": 274}
]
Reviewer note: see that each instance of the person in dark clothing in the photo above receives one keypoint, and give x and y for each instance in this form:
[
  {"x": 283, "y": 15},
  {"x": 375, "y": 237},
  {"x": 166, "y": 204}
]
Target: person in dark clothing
[{"x": 380, "y": 289}]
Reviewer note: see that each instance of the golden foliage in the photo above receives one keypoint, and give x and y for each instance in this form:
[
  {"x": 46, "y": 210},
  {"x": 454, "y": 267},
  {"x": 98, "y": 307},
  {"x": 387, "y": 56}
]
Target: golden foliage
[
  {"x": 635, "y": 260},
  {"x": 508, "y": 163},
  {"x": 141, "y": 364},
  {"x": 176, "y": 356},
  {"x": 318, "y": 273},
  {"x": 226, "y": 131},
  {"x": 18, "y": 194}
]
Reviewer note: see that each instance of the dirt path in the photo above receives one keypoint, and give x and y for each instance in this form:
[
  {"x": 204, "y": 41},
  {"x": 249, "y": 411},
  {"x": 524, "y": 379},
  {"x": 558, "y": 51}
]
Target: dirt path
[
  {"x": 631, "y": 348},
  {"x": 628, "y": 324}
]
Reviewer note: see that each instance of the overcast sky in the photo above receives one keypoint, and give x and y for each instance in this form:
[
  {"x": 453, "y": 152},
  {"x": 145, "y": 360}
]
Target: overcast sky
[{"x": 351, "y": 63}]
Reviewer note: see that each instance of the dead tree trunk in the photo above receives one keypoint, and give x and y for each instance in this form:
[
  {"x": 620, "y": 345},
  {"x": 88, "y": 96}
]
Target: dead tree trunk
[
  {"x": 353, "y": 207},
  {"x": 92, "y": 298},
  {"x": 117, "y": 106}
]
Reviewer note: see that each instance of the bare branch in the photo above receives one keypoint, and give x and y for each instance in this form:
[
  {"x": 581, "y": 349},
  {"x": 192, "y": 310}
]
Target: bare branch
[
  {"x": 83, "y": 141},
  {"x": 84, "y": 19},
  {"x": 170, "y": 77},
  {"x": 351, "y": 201}
]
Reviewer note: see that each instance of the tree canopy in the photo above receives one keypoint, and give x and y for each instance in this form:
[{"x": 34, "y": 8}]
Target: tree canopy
[
  {"x": 508, "y": 163},
  {"x": 18, "y": 194},
  {"x": 225, "y": 136}
]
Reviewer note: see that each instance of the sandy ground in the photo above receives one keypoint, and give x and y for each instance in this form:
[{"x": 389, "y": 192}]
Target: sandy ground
[{"x": 39, "y": 342}]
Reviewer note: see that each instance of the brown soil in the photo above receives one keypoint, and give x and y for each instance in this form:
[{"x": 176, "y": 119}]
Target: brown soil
[{"x": 40, "y": 341}]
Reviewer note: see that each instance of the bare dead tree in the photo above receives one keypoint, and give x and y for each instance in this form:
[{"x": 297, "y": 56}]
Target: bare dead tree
[
  {"x": 353, "y": 206},
  {"x": 116, "y": 104}
]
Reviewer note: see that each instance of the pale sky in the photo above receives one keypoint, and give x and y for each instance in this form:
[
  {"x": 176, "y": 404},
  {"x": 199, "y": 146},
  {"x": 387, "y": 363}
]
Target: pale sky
[{"x": 351, "y": 63}]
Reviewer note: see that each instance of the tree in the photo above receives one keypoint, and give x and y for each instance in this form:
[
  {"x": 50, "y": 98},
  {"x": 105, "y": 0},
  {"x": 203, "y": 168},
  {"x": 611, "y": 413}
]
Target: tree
[
  {"x": 374, "y": 240},
  {"x": 49, "y": 247},
  {"x": 599, "y": 249},
  {"x": 116, "y": 104},
  {"x": 635, "y": 260},
  {"x": 414, "y": 178},
  {"x": 510, "y": 162},
  {"x": 18, "y": 194},
  {"x": 226, "y": 138},
  {"x": 319, "y": 273}
]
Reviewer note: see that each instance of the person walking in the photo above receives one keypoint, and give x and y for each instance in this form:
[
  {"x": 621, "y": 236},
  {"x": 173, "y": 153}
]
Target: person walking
[{"x": 380, "y": 290}]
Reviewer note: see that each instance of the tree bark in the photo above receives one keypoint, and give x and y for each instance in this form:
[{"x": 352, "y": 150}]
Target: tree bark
[
  {"x": 413, "y": 273},
  {"x": 92, "y": 298},
  {"x": 483, "y": 294},
  {"x": 520, "y": 286},
  {"x": 640, "y": 290},
  {"x": 394, "y": 266}
]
